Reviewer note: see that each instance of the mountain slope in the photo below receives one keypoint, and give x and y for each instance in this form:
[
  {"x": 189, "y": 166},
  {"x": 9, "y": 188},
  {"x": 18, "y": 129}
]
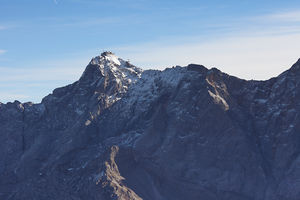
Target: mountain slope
[{"x": 183, "y": 133}]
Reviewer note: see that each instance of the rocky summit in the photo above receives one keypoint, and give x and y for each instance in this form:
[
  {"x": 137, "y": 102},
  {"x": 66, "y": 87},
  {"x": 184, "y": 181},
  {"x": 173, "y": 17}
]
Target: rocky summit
[{"x": 183, "y": 133}]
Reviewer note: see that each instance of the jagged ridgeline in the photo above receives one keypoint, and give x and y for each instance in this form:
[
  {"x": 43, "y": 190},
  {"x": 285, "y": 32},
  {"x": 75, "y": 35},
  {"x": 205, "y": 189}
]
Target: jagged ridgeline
[{"x": 183, "y": 133}]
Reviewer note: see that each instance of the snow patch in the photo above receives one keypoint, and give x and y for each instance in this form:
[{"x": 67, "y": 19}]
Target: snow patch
[{"x": 112, "y": 58}]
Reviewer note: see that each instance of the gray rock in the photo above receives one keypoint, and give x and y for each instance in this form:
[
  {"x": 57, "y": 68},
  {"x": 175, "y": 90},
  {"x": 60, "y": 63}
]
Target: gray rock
[{"x": 183, "y": 133}]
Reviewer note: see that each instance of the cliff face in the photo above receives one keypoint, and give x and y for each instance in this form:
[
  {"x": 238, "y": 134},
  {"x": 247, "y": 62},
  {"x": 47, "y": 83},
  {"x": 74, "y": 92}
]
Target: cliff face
[{"x": 182, "y": 133}]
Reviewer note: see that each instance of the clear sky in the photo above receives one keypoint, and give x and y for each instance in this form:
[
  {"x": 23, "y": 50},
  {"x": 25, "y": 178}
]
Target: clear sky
[{"x": 46, "y": 44}]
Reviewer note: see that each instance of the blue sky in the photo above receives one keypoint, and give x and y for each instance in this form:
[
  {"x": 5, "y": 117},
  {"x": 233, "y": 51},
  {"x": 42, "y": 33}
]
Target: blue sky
[{"x": 47, "y": 44}]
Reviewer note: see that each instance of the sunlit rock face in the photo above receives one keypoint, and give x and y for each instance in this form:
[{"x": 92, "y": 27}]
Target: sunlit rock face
[{"x": 183, "y": 133}]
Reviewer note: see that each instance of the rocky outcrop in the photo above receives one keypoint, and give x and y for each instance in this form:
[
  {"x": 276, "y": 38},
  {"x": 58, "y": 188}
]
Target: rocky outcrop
[{"x": 183, "y": 133}]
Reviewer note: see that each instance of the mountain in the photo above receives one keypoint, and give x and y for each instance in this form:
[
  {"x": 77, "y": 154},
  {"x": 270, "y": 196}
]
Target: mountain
[{"x": 183, "y": 133}]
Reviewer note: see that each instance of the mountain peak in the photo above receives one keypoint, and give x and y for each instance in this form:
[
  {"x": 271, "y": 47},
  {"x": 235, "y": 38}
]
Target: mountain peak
[
  {"x": 107, "y": 53},
  {"x": 106, "y": 57},
  {"x": 110, "y": 66}
]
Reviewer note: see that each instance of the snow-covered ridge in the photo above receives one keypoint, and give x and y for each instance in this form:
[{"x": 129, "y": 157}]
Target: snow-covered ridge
[{"x": 122, "y": 70}]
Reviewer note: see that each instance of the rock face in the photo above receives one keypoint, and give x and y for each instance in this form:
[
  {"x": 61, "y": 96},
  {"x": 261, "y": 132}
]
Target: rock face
[{"x": 182, "y": 133}]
